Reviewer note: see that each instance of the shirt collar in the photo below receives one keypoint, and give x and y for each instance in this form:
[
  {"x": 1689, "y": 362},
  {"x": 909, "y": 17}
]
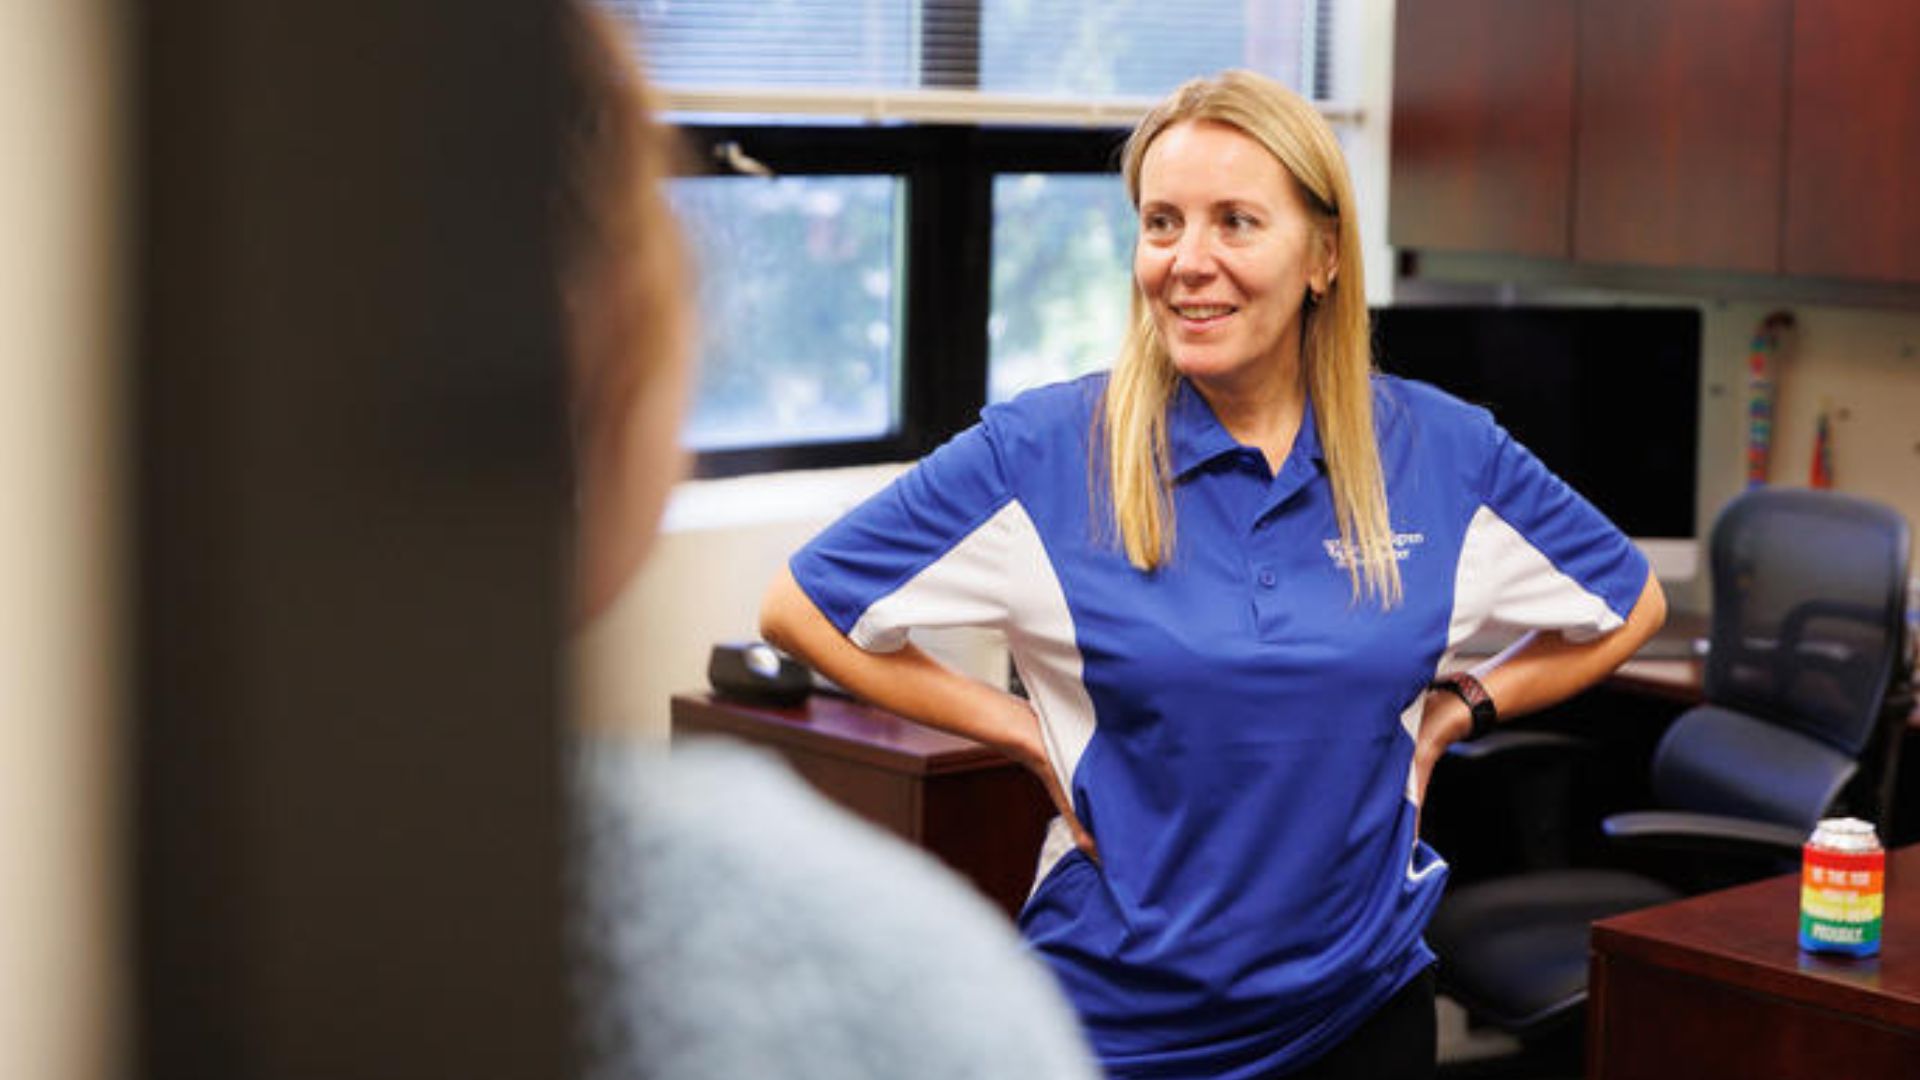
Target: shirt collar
[{"x": 1195, "y": 436}]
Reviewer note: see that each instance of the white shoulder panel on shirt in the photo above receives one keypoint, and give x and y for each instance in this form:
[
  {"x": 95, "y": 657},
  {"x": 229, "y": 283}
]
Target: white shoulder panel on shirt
[
  {"x": 999, "y": 575},
  {"x": 1503, "y": 579}
]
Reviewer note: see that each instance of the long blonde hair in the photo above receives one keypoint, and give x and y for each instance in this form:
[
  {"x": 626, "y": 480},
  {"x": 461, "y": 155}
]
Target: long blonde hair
[{"x": 1335, "y": 351}]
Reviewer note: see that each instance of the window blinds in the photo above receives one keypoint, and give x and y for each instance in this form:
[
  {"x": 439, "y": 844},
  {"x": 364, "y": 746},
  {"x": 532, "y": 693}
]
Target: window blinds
[{"x": 980, "y": 61}]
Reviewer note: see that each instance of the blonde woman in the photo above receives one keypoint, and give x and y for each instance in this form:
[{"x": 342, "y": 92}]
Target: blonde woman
[{"x": 1229, "y": 574}]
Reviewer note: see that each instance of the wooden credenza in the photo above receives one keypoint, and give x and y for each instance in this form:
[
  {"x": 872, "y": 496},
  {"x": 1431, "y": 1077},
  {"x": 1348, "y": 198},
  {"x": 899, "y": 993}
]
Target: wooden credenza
[
  {"x": 1716, "y": 986},
  {"x": 969, "y": 806}
]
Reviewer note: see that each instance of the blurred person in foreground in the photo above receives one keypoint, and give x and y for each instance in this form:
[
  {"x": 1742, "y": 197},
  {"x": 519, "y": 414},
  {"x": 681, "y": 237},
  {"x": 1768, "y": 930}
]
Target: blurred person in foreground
[
  {"x": 1231, "y": 574},
  {"x": 733, "y": 924}
]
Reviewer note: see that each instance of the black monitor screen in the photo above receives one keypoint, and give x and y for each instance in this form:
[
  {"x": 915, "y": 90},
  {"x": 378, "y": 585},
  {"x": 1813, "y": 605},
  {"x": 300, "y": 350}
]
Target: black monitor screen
[{"x": 1607, "y": 397}]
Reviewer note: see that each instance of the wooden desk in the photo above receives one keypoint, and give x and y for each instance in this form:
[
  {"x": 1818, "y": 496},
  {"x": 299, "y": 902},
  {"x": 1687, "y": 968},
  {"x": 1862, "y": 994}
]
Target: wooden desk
[
  {"x": 970, "y": 807},
  {"x": 1716, "y": 986}
]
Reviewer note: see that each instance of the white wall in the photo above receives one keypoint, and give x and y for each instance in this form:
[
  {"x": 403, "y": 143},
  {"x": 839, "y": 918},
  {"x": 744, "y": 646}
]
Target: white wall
[
  {"x": 721, "y": 543},
  {"x": 1363, "y": 73},
  {"x": 61, "y": 952},
  {"x": 1860, "y": 365}
]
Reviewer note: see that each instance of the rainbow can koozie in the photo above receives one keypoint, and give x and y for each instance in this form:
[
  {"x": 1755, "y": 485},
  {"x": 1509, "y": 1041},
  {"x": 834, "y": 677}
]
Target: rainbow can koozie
[{"x": 1842, "y": 888}]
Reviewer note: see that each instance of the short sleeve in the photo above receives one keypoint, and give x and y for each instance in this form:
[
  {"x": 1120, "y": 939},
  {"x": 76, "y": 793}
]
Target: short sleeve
[
  {"x": 925, "y": 552},
  {"x": 1539, "y": 556}
]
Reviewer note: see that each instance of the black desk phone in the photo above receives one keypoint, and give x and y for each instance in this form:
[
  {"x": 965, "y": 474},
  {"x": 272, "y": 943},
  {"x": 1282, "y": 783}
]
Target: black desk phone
[{"x": 756, "y": 672}]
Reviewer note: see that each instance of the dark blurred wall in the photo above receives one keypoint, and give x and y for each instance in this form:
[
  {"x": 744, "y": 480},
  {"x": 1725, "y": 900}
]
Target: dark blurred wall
[{"x": 349, "y": 463}]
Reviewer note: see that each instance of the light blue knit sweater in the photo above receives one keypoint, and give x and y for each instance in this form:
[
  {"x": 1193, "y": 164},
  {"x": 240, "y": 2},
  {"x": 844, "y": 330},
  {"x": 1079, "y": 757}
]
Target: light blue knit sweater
[{"x": 739, "y": 927}]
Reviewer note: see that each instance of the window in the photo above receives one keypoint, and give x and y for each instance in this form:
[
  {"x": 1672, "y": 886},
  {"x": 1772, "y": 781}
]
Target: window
[
  {"x": 799, "y": 305},
  {"x": 1136, "y": 48},
  {"x": 1073, "y": 50},
  {"x": 778, "y": 43},
  {"x": 1062, "y": 263},
  {"x": 936, "y": 221}
]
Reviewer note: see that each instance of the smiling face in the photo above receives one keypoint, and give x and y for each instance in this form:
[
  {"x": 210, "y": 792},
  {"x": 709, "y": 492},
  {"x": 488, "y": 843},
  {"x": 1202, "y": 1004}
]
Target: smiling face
[{"x": 1227, "y": 251}]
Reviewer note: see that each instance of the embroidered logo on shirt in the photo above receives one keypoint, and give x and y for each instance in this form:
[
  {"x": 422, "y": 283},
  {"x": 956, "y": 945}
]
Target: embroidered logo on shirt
[{"x": 1342, "y": 554}]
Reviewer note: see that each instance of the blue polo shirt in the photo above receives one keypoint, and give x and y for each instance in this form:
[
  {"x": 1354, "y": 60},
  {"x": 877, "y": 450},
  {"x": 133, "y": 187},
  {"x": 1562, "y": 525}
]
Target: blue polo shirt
[{"x": 1236, "y": 729}]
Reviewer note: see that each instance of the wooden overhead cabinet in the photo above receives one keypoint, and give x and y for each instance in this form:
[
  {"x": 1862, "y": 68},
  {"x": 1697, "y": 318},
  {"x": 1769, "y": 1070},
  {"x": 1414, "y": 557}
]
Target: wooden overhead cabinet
[
  {"x": 1853, "y": 145},
  {"x": 1483, "y": 125},
  {"x": 1680, "y": 132},
  {"x": 1759, "y": 137}
]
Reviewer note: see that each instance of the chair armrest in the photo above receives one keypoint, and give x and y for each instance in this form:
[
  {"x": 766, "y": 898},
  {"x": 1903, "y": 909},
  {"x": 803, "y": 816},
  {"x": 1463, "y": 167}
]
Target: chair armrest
[
  {"x": 1510, "y": 745},
  {"x": 1704, "y": 833}
]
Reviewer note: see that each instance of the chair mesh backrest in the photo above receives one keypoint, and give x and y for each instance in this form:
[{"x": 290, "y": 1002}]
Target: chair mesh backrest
[{"x": 1809, "y": 590}]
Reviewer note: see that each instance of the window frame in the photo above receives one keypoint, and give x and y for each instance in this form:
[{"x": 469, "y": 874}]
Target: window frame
[{"x": 948, "y": 172}]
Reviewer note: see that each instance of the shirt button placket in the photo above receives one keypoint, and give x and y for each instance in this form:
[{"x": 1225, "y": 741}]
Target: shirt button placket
[{"x": 1268, "y": 610}]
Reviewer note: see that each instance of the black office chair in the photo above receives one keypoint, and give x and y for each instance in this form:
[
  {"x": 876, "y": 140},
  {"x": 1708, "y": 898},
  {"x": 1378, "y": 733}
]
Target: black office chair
[{"x": 1801, "y": 720}]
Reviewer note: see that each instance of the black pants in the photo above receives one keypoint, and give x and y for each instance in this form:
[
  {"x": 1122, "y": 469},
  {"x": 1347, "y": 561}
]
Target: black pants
[{"x": 1396, "y": 1043}]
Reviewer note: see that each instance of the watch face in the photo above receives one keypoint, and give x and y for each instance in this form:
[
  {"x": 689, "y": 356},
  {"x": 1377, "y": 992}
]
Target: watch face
[
  {"x": 1476, "y": 693},
  {"x": 1479, "y": 703}
]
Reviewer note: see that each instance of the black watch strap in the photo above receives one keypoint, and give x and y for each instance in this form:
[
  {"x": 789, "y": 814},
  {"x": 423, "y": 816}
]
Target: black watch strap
[{"x": 1470, "y": 690}]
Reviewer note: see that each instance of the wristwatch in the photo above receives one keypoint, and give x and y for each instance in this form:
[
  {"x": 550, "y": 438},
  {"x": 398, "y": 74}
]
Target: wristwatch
[{"x": 1470, "y": 690}]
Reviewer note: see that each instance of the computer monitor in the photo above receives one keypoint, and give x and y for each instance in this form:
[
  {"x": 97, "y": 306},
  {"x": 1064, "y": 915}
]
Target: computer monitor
[{"x": 1608, "y": 397}]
